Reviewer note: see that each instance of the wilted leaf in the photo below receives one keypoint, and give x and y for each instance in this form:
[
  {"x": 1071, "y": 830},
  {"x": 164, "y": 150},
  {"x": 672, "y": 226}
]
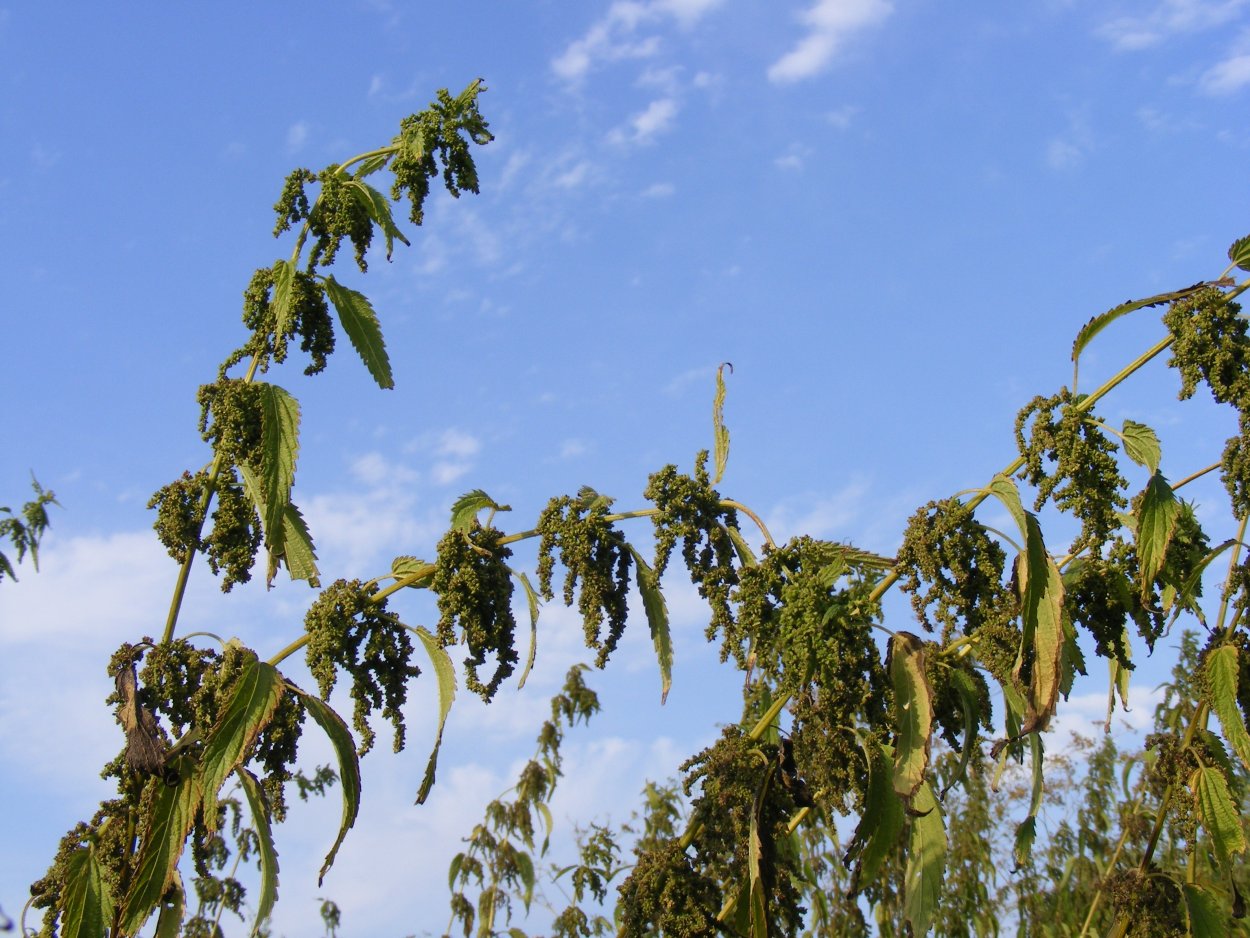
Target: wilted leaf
[
  {"x": 446, "y": 674},
  {"x": 145, "y": 750},
  {"x": 360, "y": 323},
  {"x": 349, "y": 766},
  {"x": 913, "y": 712},
  {"x": 657, "y": 618},
  {"x": 259, "y": 806}
]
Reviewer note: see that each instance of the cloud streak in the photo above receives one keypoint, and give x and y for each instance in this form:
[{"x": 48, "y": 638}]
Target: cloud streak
[{"x": 830, "y": 23}]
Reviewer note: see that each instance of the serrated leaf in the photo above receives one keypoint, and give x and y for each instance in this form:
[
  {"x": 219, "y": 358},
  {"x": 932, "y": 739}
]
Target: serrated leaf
[
  {"x": 173, "y": 910},
  {"x": 1156, "y": 523},
  {"x": 360, "y": 323},
  {"x": 349, "y": 766},
  {"x": 880, "y": 822},
  {"x": 168, "y": 822},
  {"x": 657, "y": 619},
  {"x": 445, "y": 671},
  {"x": 378, "y": 208},
  {"x": 525, "y": 869},
  {"x": 453, "y": 871},
  {"x": 464, "y": 511},
  {"x": 913, "y": 712},
  {"x": 407, "y": 565},
  {"x": 1217, "y": 813},
  {"x": 255, "y": 696},
  {"x": 1239, "y": 252},
  {"x": 755, "y": 859},
  {"x": 720, "y": 433},
  {"x": 279, "y": 449},
  {"x": 926, "y": 861},
  {"x": 969, "y": 703},
  {"x": 548, "y": 824},
  {"x": 1026, "y": 834},
  {"x": 297, "y": 547},
  {"x": 1098, "y": 323},
  {"x": 1222, "y": 671},
  {"x": 531, "y": 599},
  {"x": 1205, "y": 918},
  {"x": 86, "y": 903},
  {"x": 283, "y": 284},
  {"x": 1141, "y": 444},
  {"x": 259, "y": 805},
  {"x": 1072, "y": 659},
  {"x": 371, "y": 165}
]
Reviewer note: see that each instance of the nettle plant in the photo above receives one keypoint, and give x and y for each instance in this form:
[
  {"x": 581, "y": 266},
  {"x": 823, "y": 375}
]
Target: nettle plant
[{"x": 870, "y": 767}]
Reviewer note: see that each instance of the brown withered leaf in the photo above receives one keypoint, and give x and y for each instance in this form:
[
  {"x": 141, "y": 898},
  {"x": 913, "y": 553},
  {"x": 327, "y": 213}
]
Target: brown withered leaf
[{"x": 145, "y": 750}]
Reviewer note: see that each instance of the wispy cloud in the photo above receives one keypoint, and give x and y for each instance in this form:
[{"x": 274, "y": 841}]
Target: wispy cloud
[
  {"x": 644, "y": 126},
  {"x": 1069, "y": 149},
  {"x": 1167, "y": 19},
  {"x": 297, "y": 136},
  {"x": 1231, "y": 74},
  {"x": 841, "y": 117},
  {"x": 616, "y": 37},
  {"x": 794, "y": 158},
  {"x": 659, "y": 190},
  {"x": 830, "y": 23}
]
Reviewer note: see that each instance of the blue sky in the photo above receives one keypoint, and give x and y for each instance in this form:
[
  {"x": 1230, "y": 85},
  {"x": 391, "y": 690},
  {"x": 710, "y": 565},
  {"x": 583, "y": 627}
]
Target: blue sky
[{"x": 892, "y": 217}]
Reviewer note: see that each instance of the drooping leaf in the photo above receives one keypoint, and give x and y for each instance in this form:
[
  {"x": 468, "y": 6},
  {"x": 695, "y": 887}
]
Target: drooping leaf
[
  {"x": 745, "y": 555},
  {"x": 360, "y": 323},
  {"x": 349, "y": 766},
  {"x": 1071, "y": 659},
  {"x": 926, "y": 861},
  {"x": 1141, "y": 444},
  {"x": 881, "y": 822},
  {"x": 1098, "y": 323},
  {"x": 913, "y": 712},
  {"x": 1239, "y": 252},
  {"x": 255, "y": 696},
  {"x": 720, "y": 432},
  {"x": 525, "y": 869},
  {"x": 1188, "y": 590},
  {"x": 453, "y": 871},
  {"x": 173, "y": 910},
  {"x": 1206, "y": 920},
  {"x": 279, "y": 449},
  {"x": 379, "y": 209},
  {"x": 86, "y": 903},
  {"x": 969, "y": 704},
  {"x": 755, "y": 863},
  {"x": 1156, "y": 523},
  {"x": 297, "y": 547},
  {"x": 445, "y": 671},
  {"x": 1026, "y": 834},
  {"x": 283, "y": 283},
  {"x": 371, "y": 165},
  {"x": 467, "y": 506},
  {"x": 1222, "y": 670},
  {"x": 259, "y": 806},
  {"x": 531, "y": 599},
  {"x": 173, "y": 812},
  {"x": 1217, "y": 813},
  {"x": 657, "y": 619}
]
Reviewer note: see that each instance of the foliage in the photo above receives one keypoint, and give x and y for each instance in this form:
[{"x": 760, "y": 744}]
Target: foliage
[
  {"x": 24, "y": 530},
  {"x": 863, "y": 785}
]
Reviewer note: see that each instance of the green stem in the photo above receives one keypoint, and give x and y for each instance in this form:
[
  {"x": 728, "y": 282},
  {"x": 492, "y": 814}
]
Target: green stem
[{"x": 1197, "y": 475}]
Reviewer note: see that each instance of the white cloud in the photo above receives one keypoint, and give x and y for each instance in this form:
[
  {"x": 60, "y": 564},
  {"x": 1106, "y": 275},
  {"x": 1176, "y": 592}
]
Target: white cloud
[
  {"x": 794, "y": 158},
  {"x": 841, "y": 117},
  {"x": 573, "y": 177},
  {"x": 1167, "y": 19},
  {"x": 458, "y": 443},
  {"x": 613, "y": 39},
  {"x": 572, "y": 448},
  {"x": 297, "y": 136},
  {"x": 830, "y": 23},
  {"x": 659, "y": 190},
  {"x": 644, "y": 126},
  {"x": 1227, "y": 76},
  {"x": 1063, "y": 154}
]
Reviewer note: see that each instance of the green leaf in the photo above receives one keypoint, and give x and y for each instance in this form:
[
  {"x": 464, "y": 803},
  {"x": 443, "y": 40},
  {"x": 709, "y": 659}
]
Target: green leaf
[
  {"x": 297, "y": 547},
  {"x": 1217, "y": 813},
  {"x": 969, "y": 705},
  {"x": 531, "y": 599},
  {"x": 360, "y": 323},
  {"x": 407, "y": 565},
  {"x": 283, "y": 282},
  {"x": 1026, "y": 834},
  {"x": 881, "y": 822},
  {"x": 1141, "y": 444},
  {"x": 1156, "y": 523},
  {"x": 86, "y": 904},
  {"x": 168, "y": 822},
  {"x": 253, "y": 700},
  {"x": 657, "y": 619},
  {"x": 464, "y": 511},
  {"x": 1205, "y": 918},
  {"x": 259, "y": 806},
  {"x": 1239, "y": 252},
  {"x": 173, "y": 910},
  {"x": 926, "y": 861},
  {"x": 741, "y": 547},
  {"x": 379, "y": 209},
  {"x": 453, "y": 871},
  {"x": 371, "y": 165},
  {"x": 279, "y": 448},
  {"x": 719, "y": 431},
  {"x": 349, "y": 766},
  {"x": 913, "y": 712},
  {"x": 1098, "y": 323},
  {"x": 525, "y": 869},
  {"x": 755, "y": 860},
  {"x": 1223, "y": 667},
  {"x": 445, "y": 671}
]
